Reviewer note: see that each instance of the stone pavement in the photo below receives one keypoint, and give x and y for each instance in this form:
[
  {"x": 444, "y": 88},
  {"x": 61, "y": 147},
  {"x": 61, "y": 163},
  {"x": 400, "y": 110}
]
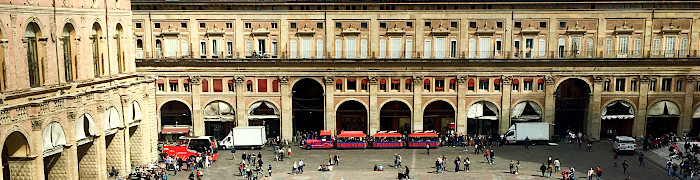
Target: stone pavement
[{"x": 358, "y": 164}]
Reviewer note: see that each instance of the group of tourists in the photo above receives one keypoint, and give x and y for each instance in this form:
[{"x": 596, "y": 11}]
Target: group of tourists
[
  {"x": 252, "y": 162},
  {"x": 687, "y": 162}
]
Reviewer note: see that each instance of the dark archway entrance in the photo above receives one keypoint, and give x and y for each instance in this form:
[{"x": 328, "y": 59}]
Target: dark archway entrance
[
  {"x": 307, "y": 106},
  {"x": 218, "y": 119},
  {"x": 395, "y": 116},
  {"x": 439, "y": 116},
  {"x": 617, "y": 119},
  {"x": 571, "y": 106},
  {"x": 351, "y": 116},
  {"x": 265, "y": 114},
  {"x": 15, "y": 157},
  {"x": 482, "y": 118},
  {"x": 662, "y": 118},
  {"x": 174, "y": 115}
]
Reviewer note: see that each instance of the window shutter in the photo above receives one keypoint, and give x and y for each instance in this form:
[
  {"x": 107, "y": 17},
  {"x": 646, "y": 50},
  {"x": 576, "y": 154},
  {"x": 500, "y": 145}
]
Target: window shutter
[
  {"x": 426, "y": 48},
  {"x": 338, "y": 48},
  {"x": 472, "y": 48},
  {"x": 183, "y": 48},
  {"x": 637, "y": 46},
  {"x": 218, "y": 86},
  {"x": 205, "y": 85},
  {"x": 542, "y": 46},
  {"x": 275, "y": 86},
  {"x": 590, "y": 48},
  {"x": 382, "y": 48},
  {"x": 248, "y": 48},
  {"x": 363, "y": 48},
  {"x": 670, "y": 46},
  {"x": 655, "y": 46},
  {"x": 306, "y": 48},
  {"x": 684, "y": 46},
  {"x": 608, "y": 46},
  {"x": 262, "y": 85},
  {"x": 409, "y": 48},
  {"x": 395, "y": 47},
  {"x": 440, "y": 48},
  {"x": 484, "y": 47},
  {"x": 171, "y": 47},
  {"x": 319, "y": 48},
  {"x": 293, "y": 49}
]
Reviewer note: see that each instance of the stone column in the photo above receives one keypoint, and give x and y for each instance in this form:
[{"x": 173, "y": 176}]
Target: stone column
[
  {"x": 329, "y": 105},
  {"x": 461, "y": 105},
  {"x": 593, "y": 123},
  {"x": 640, "y": 118},
  {"x": 549, "y": 106},
  {"x": 197, "y": 119},
  {"x": 686, "y": 120},
  {"x": 241, "y": 113},
  {"x": 504, "y": 121},
  {"x": 417, "y": 102},
  {"x": 373, "y": 105},
  {"x": 38, "y": 171},
  {"x": 286, "y": 105}
]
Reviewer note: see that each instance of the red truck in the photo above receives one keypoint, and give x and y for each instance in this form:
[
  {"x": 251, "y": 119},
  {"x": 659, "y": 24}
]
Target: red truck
[
  {"x": 192, "y": 146},
  {"x": 324, "y": 141}
]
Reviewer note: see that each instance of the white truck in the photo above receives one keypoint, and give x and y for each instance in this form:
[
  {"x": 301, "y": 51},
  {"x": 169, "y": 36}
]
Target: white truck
[
  {"x": 535, "y": 131},
  {"x": 245, "y": 137}
]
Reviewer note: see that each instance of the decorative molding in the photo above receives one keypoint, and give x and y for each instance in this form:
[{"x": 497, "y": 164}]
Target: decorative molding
[
  {"x": 36, "y": 124},
  {"x": 195, "y": 79},
  {"x": 549, "y": 79},
  {"x": 417, "y": 79},
  {"x": 507, "y": 79},
  {"x": 461, "y": 79},
  {"x": 71, "y": 116},
  {"x": 373, "y": 80},
  {"x": 644, "y": 79},
  {"x": 239, "y": 79},
  {"x": 284, "y": 79},
  {"x": 329, "y": 79},
  {"x": 690, "y": 79},
  {"x": 598, "y": 79}
]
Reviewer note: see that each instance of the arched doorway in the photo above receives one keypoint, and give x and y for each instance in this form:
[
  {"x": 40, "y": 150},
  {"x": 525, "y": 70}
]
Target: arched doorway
[
  {"x": 53, "y": 141},
  {"x": 571, "y": 106},
  {"x": 15, "y": 157},
  {"x": 266, "y": 114},
  {"x": 133, "y": 119},
  {"x": 395, "y": 116},
  {"x": 439, "y": 116},
  {"x": 85, "y": 133},
  {"x": 662, "y": 118},
  {"x": 482, "y": 118},
  {"x": 351, "y": 116},
  {"x": 617, "y": 118},
  {"x": 307, "y": 106},
  {"x": 175, "y": 120},
  {"x": 218, "y": 119}
]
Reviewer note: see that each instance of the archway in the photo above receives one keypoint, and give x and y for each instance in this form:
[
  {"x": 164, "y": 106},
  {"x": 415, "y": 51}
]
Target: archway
[
  {"x": 15, "y": 161},
  {"x": 662, "y": 118},
  {"x": 55, "y": 162},
  {"x": 526, "y": 111},
  {"x": 439, "y": 116},
  {"x": 218, "y": 119},
  {"x": 85, "y": 132},
  {"x": 136, "y": 136},
  {"x": 266, "y": 114},
  {"x": 351, "y": 116},
  {"x": 695, "y": 126},
  {"x": 482, "y": 118},
  {"x": 571, "y": 106},
  {"x": 307, "y": 106},
  {"x": 175, "y": 120},
  {"x": 617, "y": 118},
  {"x": 395, "y": 116}
]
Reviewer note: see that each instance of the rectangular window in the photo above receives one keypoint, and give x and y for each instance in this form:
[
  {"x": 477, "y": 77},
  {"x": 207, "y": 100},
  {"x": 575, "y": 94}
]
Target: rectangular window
[
  {"x": 262, "y": 85},
  {"x": 427, "y": 24},
  {"x": 622, "y": 46},
  {"x": 229, "y": 25},
  {"x": 543, "y": 47},
  {"x": 363, "y": 25},
  {"x": 156, "y": 25},
  {"x": 382, "y": 85},
  {"x": 186, "y": 86},
  {"x": 161, "y": 87},
  {"x": 184, "y": 49},
  {"x": 472, "y": 24},
  {"x": 590, "y": 48},
  {"x": 679, "y": 86},
  {"x": 363, "y": 49},
  {"x": 409, "y": 49},
  {"x": 319, "y": 25},
  {"x": 249, "y": 86},
  {"x": 516, "y": 87},
  {"x": 273, "y": 25},
  {"x": 408, "y": 85},
  {"x": 202, "y": 25},
  {"x": 215, "y": 47},
  {"x": 319, "y": 48},
  {"x": 203, "y": 49},
  {"x": 697, "y": 86},
  {"x": 652, "y": 85},
  {"x": 608, "y": 46},
  {"x": 633, "y": 85},
  {"x": 170, "y": 47},
  {"x": 382, "y": 48},
  {"x": 540, "y": 85},
  {"x": 562, "y": 24},
  {"x": 666, "y": 84},
  {"x": 576, "y": 46},
  {"x": 427, "y": 48},
  {"x": 637, "y": 47},
  {"x": 562, "y": 48},
  {"x": 338, "y": 25},
  {"x": 529, "y": 47},
  {"x": 620, "y": 84},
  {"x": 382, "y": 25},
  {"x": 248, "y": 26},
  {"x": 484, "y": 47},
  {"x": 483, "y": 84},
  {"x": 527, "y": 85},
  {"x": 352, "y": 84},
  {"x": 518, "y": 25},
  {"x": 395, "y": 84},
  {"x": 262, "y": 45},
  {"x": 499, "y": 48},
  {"x": 655, "y": 46},
  {"x": 293, "y": 25},
  {"x": 351, "y": 46},
  {"x": 249, "y": 48},
  {"x": 138, "y": 25},
  {"x": 395, "y": 47},
  {"x": 229, "y": 48},
  {"x": 231, "y": 86},
  {"x": 183, "y": 25},
  {"x": 543, "y": 24},
  {"x": 273, "y": 48},
  {"x": 173, "y": 86},
  {"x": 499, "y": 24},
  {"x": 516, "y": 47},
  {"x": 218, "y": 86},
  {"x": 453, "y": 24},
  {"x": 306, "y": 48},
  {"x": 670, "y": 46},
  {"x": 606, "y": 85},
  {"x": 440, "y": 48},
  {"x": 409, "y": 24},
  {"x": 439, "y": 85},
  {"x": 453, "y": 48},
  {"x": 684, "y": 46}
]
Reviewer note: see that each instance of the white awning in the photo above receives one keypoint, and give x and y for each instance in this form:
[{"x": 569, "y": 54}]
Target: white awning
[
  {"x": 605, "y": 116},
  {"x": 660, "y": 107},
  {"x": 519, "y": 108},
  {"x": 218, "y": 108},
  {"x": 112, "y": 121},
  {"x": 609, "y": 117},
  {"x": 134, "y": 113},
  {"x": 527, "y": 118},
  {"x": 257, "y": 104},
  {"x": 476, "y": 111},
  {"x": 696, "y": 114},
  {"x": 263, "y": 116},
  {"x": 54, "y": 138},
  {"x": 85, "y": 128}
]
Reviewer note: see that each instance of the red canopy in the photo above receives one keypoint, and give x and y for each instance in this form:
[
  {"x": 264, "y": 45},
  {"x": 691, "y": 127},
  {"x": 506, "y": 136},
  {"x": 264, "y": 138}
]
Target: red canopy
[
  {"x": 387, "y": 135},
  {"x": 325, "y": 133},
  {"x": 423, "y": 135},
  {"x": 352, "y": 134},
  {"x": 175, "y": 130}
]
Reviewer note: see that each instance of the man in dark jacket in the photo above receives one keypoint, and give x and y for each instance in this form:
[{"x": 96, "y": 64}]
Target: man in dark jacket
[{"x": 543, "y": 169}]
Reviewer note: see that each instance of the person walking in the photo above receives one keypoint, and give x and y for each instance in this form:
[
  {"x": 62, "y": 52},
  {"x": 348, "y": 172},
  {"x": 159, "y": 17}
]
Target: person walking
[
  {"x": 557, "y": 164},
  {"x": 641, "y": 160},
  {"x": 396, "y": 160},
  {"x": 407, "y": 171},
  {"x": 399, "y": 161},
  {"x": 669, "y": 165},
  {"x": 598, "y": 173},
  {"x": 336, "y": 159},
  {"x": 492, "y": 155},
  {"x": 486, "y": 157},
  {"x": 301, "y": 166},
  {"x": 615, "y": 159},
  {"x": 527, "y": 142},
  {"x": 549, "y": 170},
  {"x": 233, "y": 153},
  {"x": 589, "y": 144},
  {"x": 466, "y": 164},
  {"x": 457, "y": 161},
  {"x": 591, "y": 173},
  {"x": 624, "y": 167},
  {"x": 543, "y": 169},
  {"x": 427, "y": 147}
]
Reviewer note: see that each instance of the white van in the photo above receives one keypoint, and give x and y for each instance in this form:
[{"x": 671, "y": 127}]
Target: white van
[{"x": 624, "y": 144}]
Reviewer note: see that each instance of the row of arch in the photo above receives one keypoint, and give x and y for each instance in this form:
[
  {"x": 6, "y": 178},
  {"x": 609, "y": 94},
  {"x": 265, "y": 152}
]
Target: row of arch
[{"x": 17, "y": 147}]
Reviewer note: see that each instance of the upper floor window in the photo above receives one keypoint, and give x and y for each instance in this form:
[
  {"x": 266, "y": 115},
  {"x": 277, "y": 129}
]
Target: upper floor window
[
  {"x": 516, "y": 85},
  {"x": 426, "y": 84},
  {"x": 540, "y": 85},
  {"x": 338, "y": 85},
  {"x": 470, "y": 85},
  {"x": 652, "y": 85},
  {"x": 679, "y": 85},
  {"x": 620, "y": 84},
  {"x": 483, "y": 84},
  {"x": 497, "y": 84},
  {"x": 439, "y": 85},
  {"x": 606, "y": 85},
  {"x": 205, "y": 85},
  {"x": 655, "y": 46},
  {"x": 633, "y": 85},
  {"x": 527, "y": 85},
  {"x": 409, "y": 84},
  {"x": 231, "y": 85},
  {"x": 666, "y": 84},
  {"x": 249, "y": 85},
  {"x": 363, "y": 84},
  {"x": 34, "y": 54},
  {"x": 173, "y": 85},
  {"x": 352, "y": 84},
  {"x": 453, "y": 84},
  {"x": 382, "y": 85},
  {"x": 68, "y": 52},
  {"x": 161, "y": 85},
  {"x": 248, "y": 25},
  {"x": 395, "y": 84}
]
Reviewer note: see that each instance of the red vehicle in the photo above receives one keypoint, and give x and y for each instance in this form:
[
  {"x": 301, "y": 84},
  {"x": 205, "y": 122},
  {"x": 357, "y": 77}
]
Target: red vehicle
[
  {"x": 325, "y": 140},
  {"x": 421, "y": 139},
  {"x": 192, "y": 146},
  {"x": 385, "y": 139},
  {"x": 351, "y": 139}
]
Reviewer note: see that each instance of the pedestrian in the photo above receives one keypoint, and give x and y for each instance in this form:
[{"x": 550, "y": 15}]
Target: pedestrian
[
  {"x": 527, "y": 142},
  {"x": 598, "y": 173},
  {"x": 511, "y": 167},
  {"x": 294, "y": 168},
  {"x": 476, "y": 148},
  {"x": 289, "y": 152},
  {"x": 336, "y": 159},
  {"x": 556, "y": 165},
  {"x": 407, "y": 177},
  {"x": 591, "y": 173},
  {"x": 233, "y": 153},
  {"x": 466, "y": 164},
  {"x": 442, "y": 164},
  {"x": 301, "y": 166},
  {"x": 240, "y": 170},
  {"x": 269, "y": 170},
  {"x": 549, "y": 170},
  {"x": 590, "y": 144},
  {"x": 191, "y": 177},
  {"x": 486, "y": 157},
  {"x": 492, "y": 155},
  {"x": 615, "y": 159},
  {"x": 427, "y": 146},
  {"x": 457, "y": 161},
  {"x": 399, "y": 161},
  {"x": 517, "y": 166},
  {"x": 675, "y": 169},
  {"x": 396, "y": 160},
  {"x": 549, "y": 160},
  {"x": 437, "y": 165},
  {"x": 624, "y": 166},
  {"x": 543, "y": 169},
  {"x": 669, "y": 165},
  {"x": 199, "y": 174},
  {"x": 641, "y": 159}
]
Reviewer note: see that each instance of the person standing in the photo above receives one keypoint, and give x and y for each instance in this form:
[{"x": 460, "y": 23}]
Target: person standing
[
  {"x": 492, "y": 155},
  {"x": 407, "y": 171},
  {"x": 615, "y": 159},
  {"x": 511, "y": 167},
  {"x": 598, "y": 173},
  {"x": 549, "y": 170},
  {"x": 269, "y": 170},
  {"x": 624, "y": 167},
  {"x": 437, "y": 165},
  {"x": 396, "y": 160},
  {"x": 591, "y": 173},
  {"x": 301, "y": 166},
  {"x": 457, "y": 161},
  {"x": 427, "y": 146},
  {"x": 399, "y": 161},
  {"x": 294, "y": 168},
  {"x": 589, "y": 144},
  {"x": 336, "y": 159},
  {"x": 543, "y": 169},
  {"x": 466, "y": 164},
  {"x": 641, "y": 160},
  {"x": 527, "y": 142},
  {"x": 557, "y": 164},
  {"x": 669, "y": 165},
  {"x": 517, "y": 166}
]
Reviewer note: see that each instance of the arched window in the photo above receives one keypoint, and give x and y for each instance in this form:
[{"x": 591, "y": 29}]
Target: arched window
[
  {"x": 95, "y": 38},
  {"x": 33, "y": 47},
  {"x": 120, "y": 50},
  {"x": 69, "y": 65},
  {"x": 139, "y": 48},
  {"x": 338, "y": 85}
]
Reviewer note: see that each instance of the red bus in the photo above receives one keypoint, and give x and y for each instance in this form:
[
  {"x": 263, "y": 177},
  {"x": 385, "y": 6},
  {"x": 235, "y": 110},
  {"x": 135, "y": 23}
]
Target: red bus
[
  {"x": 351, "y": 139},
  {"x": 421, "y": 139},
  {"x": 192, "y": 146},
  {"x": 385, "y": 139},
  {"x": 325, "y": 140}
]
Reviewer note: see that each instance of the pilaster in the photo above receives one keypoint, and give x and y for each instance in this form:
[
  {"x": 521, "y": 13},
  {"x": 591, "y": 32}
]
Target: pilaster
[
  {"x": 329, "y": 108},
  {"x": 197, "y": 119},
  {"x": 241, "y": 113},
  {"x": 461, "y": 105},
  {"x": 687, "y": 115},
  {"x": 640, "y": 120},
  {"x": 593, "y": 124},
  {"x": 417, "y": 102},
  {"x": 373, "y": 106},
  {"x": 504, "y": 120},
  {"x": 38, "y": 172},
  {"x": 549, "y": 106},
  {"x": 286, "y": 105}
]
